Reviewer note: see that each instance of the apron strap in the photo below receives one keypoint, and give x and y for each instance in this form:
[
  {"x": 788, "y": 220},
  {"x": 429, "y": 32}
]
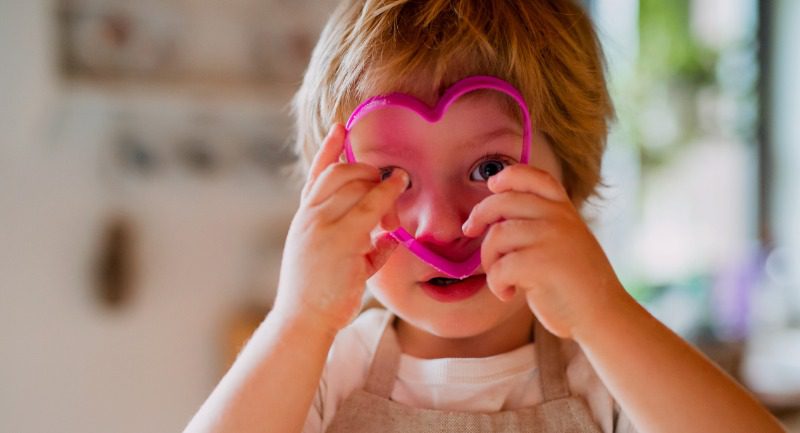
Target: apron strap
[
  {"x": 385, "y": 363},
  {"x": 383, "y": 371},
  {"x": 552, "y": 371}
]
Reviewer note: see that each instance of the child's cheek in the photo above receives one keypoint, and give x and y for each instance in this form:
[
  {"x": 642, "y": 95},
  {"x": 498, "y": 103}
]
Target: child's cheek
[{"x": 394, "y": 281}]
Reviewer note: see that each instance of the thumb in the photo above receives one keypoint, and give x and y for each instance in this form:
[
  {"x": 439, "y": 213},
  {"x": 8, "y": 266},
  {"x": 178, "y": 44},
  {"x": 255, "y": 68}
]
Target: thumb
[{"x": 383, "y": 245}]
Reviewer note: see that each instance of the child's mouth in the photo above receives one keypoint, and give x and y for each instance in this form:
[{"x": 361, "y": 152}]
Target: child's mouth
[
  {"x": 442, "y": 281},
  {"x": 445, "y": 289}
]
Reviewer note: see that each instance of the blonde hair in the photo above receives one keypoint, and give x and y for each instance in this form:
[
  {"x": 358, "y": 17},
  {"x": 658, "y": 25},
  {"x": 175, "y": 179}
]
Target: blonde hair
[{"x": 548, "y": 49}]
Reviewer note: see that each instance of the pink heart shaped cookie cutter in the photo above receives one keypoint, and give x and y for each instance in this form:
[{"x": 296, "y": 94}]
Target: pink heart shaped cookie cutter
[{"x": 431, "y": 115}]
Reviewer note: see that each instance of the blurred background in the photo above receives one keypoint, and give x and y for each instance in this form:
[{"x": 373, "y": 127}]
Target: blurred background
[{"x": 145, "y": 196}]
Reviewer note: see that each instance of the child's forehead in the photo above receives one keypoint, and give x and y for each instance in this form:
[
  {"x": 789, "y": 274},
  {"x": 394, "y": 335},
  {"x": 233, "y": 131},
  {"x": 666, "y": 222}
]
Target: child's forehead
[
  {"x": 473, "y": 123},
  {"x": 483, "y": 105},
  {"x": 431, "y": 97},
  {"x": 474, "y": 111}
]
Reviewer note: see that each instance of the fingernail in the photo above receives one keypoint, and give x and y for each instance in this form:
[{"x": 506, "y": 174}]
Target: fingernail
[
  {"x": 403, "y": 175},
  {"x": 465, "y": 226}
]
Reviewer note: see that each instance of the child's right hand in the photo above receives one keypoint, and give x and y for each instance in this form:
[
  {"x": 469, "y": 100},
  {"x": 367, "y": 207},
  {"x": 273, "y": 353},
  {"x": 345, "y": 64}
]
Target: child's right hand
[{"x": 338, "y": 237}]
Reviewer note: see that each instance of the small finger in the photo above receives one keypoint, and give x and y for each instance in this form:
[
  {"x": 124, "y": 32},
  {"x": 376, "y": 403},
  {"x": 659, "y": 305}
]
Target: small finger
[
  {"x": 343, "y": 199},
  {"x": 327, "y": 154},
  {"x": 382, "y": 248},
  {"x": 390, "y": 221},
  {"x": 379, "y": 201},
  {"x": 503, "y": 276},
  {"x": 506, "y": 206},
  {"x": 510, "y": 236},
  {"x": 526, "y": 178},
  {"x": 336, "y": 175}
]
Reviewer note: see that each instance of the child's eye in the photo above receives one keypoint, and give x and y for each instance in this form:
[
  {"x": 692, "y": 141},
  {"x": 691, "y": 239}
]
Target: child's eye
[{"x": 488, "y": 168}]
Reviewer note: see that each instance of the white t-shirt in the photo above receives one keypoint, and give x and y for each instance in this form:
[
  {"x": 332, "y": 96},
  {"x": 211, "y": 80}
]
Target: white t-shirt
[{"x": 500, "y": 382}]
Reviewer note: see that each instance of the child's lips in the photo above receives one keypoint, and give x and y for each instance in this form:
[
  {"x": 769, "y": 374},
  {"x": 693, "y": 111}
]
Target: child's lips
[{"x": 454, "y": 290}]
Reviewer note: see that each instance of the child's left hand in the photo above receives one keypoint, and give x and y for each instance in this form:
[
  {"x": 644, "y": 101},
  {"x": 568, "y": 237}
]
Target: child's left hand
[{"x": 538, "y": 243}]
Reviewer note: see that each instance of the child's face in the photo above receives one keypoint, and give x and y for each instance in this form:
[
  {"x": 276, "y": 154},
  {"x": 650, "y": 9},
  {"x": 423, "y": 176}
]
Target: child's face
[{"x": 448, "y": 163}]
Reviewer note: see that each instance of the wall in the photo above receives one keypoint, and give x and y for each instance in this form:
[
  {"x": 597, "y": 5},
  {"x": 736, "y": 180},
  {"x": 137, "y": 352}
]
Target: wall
[{"x": 70, "y": 364}]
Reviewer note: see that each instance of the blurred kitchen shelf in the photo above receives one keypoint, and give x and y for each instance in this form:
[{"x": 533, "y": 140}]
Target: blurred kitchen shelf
[
  {"x": 218, "y": 90},
  {"x": 226, "y": 142}
]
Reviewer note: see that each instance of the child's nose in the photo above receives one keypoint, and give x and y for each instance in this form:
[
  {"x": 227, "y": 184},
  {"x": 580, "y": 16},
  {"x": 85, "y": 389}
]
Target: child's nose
[{"x": 438, "y": 215}]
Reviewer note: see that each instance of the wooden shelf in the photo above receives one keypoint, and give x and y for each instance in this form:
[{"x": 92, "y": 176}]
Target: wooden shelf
[{"x": 206, "y": 88}]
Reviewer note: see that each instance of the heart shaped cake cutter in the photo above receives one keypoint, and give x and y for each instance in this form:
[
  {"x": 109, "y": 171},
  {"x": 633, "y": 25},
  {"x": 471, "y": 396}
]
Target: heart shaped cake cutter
[{"x": 434, "y": 114}]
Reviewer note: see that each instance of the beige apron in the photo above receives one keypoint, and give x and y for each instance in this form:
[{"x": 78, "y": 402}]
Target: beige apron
[{"x": 371, "y": 409}]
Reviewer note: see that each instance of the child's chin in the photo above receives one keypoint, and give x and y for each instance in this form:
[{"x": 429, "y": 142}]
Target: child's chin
[
  {"x": 456, "y": 326},
  {"x": 471, "y": 322}
]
